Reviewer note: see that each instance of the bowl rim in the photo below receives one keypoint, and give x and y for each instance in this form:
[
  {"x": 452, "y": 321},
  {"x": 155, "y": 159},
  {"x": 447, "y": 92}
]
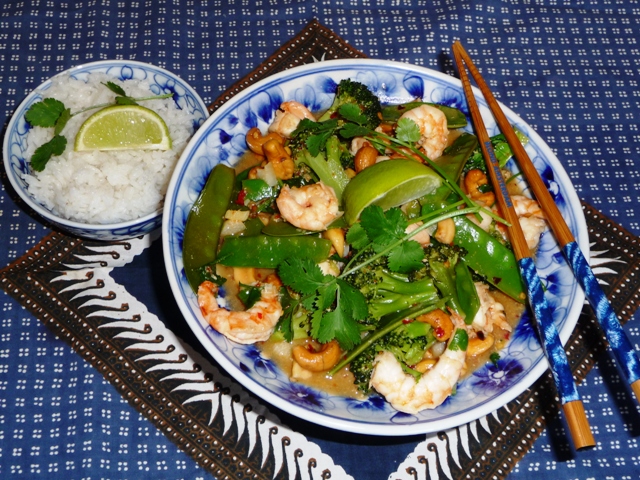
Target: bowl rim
[
  {"x": 360, "y": 426},
  {"x": 37, "y": 206}
]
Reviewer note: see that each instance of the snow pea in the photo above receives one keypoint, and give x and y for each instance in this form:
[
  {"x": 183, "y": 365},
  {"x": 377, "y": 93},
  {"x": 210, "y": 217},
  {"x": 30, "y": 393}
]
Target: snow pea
[
  {"x": 264, "y": 251},
  {"x": 204, "y": 223},
  {"x": 444, "y": 279},
  {"x": 467, "y": 293},
  {"x": 489, "y": 258},
  {"x": 455, "y": 118}
]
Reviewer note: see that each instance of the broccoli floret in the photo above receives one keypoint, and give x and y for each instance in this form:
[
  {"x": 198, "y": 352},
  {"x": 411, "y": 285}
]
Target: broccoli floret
[
  {"x": 315, "y": 145},
  {"x": 389, "y": 292},
  {"x": 408, "y": 343},
  {"x": 358, "y": 94}
]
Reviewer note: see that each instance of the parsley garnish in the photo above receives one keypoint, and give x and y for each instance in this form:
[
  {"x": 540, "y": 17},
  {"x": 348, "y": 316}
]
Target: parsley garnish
[
  {"x": 336, "y": 306},
  {"x": 50, "y": 112}
]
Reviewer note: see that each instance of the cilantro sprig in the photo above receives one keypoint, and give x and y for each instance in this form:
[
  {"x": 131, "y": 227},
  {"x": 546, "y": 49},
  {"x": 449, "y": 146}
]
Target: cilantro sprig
[
  {"x": 52, "y": 113},
  {"x": 335, "y": 305}
]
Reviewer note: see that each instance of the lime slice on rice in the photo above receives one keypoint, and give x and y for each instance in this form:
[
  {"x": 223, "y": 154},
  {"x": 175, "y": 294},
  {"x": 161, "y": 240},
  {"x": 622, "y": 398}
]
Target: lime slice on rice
[
  {"x": 387, "y": 184},
  {"x": 123, "y": 127}
]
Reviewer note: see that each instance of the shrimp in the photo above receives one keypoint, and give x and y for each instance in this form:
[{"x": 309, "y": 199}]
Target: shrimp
[
  {"x": 474, "y": 180},
  {"x": 401, "y": 389},
  {"x": 434, "y": 133},
  {"x": 288, "y": 118},
  {"x": 491, "y": 313},
  {"x": 311, "y": 207},
  {"x": 250, "y": 326},
  {"x": 531, "y": 218}
]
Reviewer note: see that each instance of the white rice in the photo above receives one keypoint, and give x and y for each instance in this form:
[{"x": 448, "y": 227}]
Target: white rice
[{"x": 105, "y": 187}]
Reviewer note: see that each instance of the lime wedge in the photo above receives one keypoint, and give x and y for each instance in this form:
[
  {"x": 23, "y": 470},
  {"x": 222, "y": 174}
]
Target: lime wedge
[
  {"x": 123, "y": 127},
  {"x": 387, "y": 184}
]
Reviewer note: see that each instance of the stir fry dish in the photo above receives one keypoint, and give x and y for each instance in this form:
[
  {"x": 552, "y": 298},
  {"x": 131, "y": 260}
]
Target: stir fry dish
[{"x": 361, "y": 248}]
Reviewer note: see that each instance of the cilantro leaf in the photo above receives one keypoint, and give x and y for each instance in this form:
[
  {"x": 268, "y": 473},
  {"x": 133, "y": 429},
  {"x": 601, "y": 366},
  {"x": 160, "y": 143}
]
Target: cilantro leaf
[
  {"x": 290, "y": 305},
  {"x": 44, "y": 152},
  {"x": 125, "y": 101},
  {"x": 352, "y": 112},
  {"x": 302, "y": 275},
  {"x": 357, "y": 236},
  {"x": 62, "y": 121},
  {"x": 249, "y": 295},
  {"x": 44, "y": 113},
  {"x": 341, "y": 323},
  {"x": 115, "y": 88},
  {"x": 350, "y": 130},
  {"x": 407, "y": 131},
  {"x": 406, "y": 257},
  {"x": 383, "y": 228}
]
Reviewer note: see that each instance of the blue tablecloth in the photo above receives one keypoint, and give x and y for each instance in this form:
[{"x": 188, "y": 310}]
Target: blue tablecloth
[{"x": 571, "y": 71}]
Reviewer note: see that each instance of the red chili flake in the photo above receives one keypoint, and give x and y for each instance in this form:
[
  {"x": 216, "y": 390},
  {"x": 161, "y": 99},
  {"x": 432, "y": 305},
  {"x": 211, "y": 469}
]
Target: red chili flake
[
  {"x": 439, "y": 332},
  {"x": 507, "y": 335},
  {"x": 407, "y": 320},
  {"x": 241, "y": 196},
  {"x": 496, "y": 280},
  {"x": 259, "y": 315}
]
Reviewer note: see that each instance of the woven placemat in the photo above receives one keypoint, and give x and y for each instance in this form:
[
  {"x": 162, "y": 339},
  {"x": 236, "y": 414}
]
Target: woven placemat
[{"x": 203, "y": 429}]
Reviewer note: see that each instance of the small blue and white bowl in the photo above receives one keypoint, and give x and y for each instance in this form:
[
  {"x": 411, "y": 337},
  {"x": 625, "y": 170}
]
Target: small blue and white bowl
[
  {"x": 17, "y": 137},
  {"x": 222, "y": 140}
]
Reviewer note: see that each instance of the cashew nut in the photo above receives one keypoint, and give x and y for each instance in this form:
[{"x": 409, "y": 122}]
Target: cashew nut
[
  {"x": 336, "y": 236},
  {"x": 479, "y": 345},
  {"x": 279, "y": 158},
  {"x": 255, "y": 140},
  {"x": 317, "y": 361},
  {"x": 446, "y": 231},
  {"x": 441, "y": 323},
  {"x": 365, "y": 157},
  {"x": 425, "y": 364}
]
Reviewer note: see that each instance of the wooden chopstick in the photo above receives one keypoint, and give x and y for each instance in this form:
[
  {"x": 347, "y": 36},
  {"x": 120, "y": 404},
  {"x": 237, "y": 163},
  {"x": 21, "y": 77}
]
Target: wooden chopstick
[
  {"x": 622, "y": 348},
  {"x": 549, "y": 338}
]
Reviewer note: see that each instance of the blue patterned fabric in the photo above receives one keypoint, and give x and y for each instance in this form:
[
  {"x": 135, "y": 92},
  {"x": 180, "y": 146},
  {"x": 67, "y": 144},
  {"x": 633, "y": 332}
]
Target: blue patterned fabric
[{"x": 569, "y": 70}]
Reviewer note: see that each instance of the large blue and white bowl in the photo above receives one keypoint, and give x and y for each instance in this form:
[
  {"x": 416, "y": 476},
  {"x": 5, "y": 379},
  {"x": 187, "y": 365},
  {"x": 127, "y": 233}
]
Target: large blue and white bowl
[
  {"x": 17, "y": 137},
  {"x": 221, "y": 140}
]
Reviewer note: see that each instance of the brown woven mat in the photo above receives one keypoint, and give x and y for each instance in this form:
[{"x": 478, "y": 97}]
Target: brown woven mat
[{"x": 224, "y": 451}]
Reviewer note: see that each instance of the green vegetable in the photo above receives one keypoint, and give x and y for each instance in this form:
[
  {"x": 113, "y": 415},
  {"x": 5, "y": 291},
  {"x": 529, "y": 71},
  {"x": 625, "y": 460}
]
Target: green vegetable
[
  {"x": 500, "y": 147},
  {"x": 327, "y": 163},
  {"x": 455, "y": 118},
  {"x": 388, "y": 292},
  {"x": 358, "y": 94},
  {"x": 489, "y": 258},
  {"x": 334, "y": 305},
  {"x": 263, "y": 251},
  {"x": 460, "y": 340},
  {"x": 204, "y": 223},
  {"x": 445, "y": 279},
  {"x": 467, "y": 293}
]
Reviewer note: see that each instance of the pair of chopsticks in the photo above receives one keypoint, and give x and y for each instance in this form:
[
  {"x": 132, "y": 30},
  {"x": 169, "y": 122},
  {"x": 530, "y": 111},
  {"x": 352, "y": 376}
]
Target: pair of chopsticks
[{"x": 572, "y": 405}]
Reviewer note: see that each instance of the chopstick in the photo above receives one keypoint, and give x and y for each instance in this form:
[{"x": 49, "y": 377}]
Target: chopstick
[
  {"x": 549, "y": 338},
  {"x": 622, "y": 348}
]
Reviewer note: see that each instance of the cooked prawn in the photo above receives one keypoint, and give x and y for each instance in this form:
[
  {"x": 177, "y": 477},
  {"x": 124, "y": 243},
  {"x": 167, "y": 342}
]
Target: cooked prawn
[
  {"x": 255, "y": 324},
  {"x": 422, "y": 237},
  {"x": 288, "y": 117},
  {"x": 491, "y": 312},
  {"x": 531, "y": 218},
  {"x": 433, "y": 129},
  {"x": 311, "y": 207},
  {"x": 401, "y": 389}
]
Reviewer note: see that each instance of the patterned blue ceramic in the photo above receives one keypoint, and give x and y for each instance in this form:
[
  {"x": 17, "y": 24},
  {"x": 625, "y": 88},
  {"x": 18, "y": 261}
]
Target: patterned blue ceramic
[
  {"x": 17, "y": 138},
  {"x": 221, "y": 139}
]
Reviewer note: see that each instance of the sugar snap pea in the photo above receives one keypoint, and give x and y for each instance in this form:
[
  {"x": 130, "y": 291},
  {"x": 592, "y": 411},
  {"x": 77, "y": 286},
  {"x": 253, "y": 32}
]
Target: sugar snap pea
[{"x": 204, "y": 223}]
